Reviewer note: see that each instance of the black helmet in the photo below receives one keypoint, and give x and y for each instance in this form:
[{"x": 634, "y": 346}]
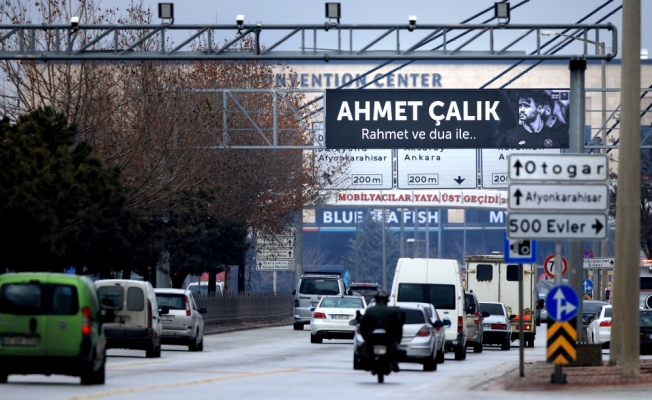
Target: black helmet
[{"x": 382, "y": 297}]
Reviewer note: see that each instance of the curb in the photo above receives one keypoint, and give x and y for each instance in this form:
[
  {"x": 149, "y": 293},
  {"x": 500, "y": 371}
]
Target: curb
[{"x": 217, "y": 329}]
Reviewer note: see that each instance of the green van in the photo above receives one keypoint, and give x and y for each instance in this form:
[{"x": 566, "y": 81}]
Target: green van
[{"x": 50, "y": 324}]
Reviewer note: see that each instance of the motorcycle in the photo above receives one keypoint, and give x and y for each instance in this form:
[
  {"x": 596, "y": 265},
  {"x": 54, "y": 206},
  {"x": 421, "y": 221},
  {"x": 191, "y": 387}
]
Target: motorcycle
[{"x": 382, "y": 352}]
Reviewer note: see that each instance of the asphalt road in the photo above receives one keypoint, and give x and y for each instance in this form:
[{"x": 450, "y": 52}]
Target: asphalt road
[{"x": 280, "y": 363}]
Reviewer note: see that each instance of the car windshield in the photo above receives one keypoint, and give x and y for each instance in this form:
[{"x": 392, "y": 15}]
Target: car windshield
[
  {"x": 591, "y": 308},
  {"x": 319, "y": 286},
  {"x": 646, "y": 319},
  {"x": 492, "y": 308},
  {"x": 413, "y": 316},
  {"x": 338, "y": 302},
  {"x": 171, "y": 301}
]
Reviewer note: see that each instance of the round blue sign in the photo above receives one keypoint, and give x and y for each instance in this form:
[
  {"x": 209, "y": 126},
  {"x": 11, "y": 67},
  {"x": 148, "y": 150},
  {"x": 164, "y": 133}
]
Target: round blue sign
[{"x": 562, "y": 303}]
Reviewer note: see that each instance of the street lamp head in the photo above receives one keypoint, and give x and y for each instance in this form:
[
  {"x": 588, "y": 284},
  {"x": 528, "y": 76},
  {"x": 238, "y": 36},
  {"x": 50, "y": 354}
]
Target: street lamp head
[
  {"x": 74, "y": 22},
  {"x": 501, "y": 11}
]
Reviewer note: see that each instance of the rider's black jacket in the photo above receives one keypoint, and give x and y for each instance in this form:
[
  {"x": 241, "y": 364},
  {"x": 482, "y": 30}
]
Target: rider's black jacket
[{"x": 382, "y": 317}]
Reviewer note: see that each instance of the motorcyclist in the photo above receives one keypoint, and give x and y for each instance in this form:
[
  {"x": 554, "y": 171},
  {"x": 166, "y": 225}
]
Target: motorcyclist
[{"x": 381, "y": 316}]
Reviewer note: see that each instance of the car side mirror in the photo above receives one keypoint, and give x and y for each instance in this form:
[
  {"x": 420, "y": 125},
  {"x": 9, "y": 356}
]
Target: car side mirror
[
  {"x": 349, "y": 292},
  {"x": 485, "y": 314},
  {"x": 353, "y": 322},
  {"x": 511, "y": 317},
  {"x": 203, "y": 310},
  {"x": 164, "y": 310},
  {"x": 447, "y": 322},
  {"x": 294, "y": 292},
  {"x": 438, "y": 324},
  {"x": 312, "y": 309},
  {"x": 540, "y": 304}
]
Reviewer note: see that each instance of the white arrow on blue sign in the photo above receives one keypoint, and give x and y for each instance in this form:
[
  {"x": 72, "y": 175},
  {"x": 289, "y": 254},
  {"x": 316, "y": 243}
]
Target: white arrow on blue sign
[
  {"x": 562, "y": 302},
  {"x": 587, "y": 286}
]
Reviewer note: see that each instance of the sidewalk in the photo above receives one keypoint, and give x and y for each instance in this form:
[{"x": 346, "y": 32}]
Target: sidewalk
[{"x": 537, "y": 377}]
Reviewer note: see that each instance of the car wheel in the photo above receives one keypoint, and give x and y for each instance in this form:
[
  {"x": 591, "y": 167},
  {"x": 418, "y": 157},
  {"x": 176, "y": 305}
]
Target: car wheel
[
  {"x": 193, "y": 344},
  {"x": 530, "y": 342},
  {"x": 298, "y": 326},
  {"x": 356, "y": 362},
  {"x": 477, "y": 348},
  {"x": 150, "y": 351},
  {"x": 505, "y": 345},
  {"x": 200, "y": 346},
  {"x": 315, "y": 339},
  {"x": 440, "y": 356},
  {"x": 94, "y": 377},
  {"x": 157, "y": 351},
  {"x": 460, "y": 352},
  {"x": 429, "y": 364}
]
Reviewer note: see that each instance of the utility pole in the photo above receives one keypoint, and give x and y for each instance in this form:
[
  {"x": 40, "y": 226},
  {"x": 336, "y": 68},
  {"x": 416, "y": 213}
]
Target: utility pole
[
  {"x": 577, "y": 122},
  {"x": 627, "y": 207}
]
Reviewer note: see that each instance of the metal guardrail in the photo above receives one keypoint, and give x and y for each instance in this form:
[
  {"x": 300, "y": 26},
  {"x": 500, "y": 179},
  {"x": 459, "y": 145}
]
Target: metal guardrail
[{"x": 250, "y": 307}]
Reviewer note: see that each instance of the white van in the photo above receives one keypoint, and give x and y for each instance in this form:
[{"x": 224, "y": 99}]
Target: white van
[
  {"x": 439, "y": 282},
  {"x": 136, "y": 320}
]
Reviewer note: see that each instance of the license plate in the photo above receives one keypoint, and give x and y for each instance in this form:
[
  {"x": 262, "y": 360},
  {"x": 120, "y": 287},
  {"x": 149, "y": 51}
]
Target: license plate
[
  {"x": 337, "y": 316},
  {"x": 380, "y": 350},
  {"x": 486, "y": 325},
  {"x": 19, "y": 341}
]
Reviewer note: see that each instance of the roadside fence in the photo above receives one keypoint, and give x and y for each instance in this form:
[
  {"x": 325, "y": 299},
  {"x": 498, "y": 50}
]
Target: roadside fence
[{"x": 248, "y": 307}]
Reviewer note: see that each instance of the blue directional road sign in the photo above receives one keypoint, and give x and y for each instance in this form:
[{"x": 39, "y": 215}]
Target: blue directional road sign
[
  {"x": 561, "y": 303},
  {"x": 520, "y": 250},
  {"x": 587, "y": 286}
]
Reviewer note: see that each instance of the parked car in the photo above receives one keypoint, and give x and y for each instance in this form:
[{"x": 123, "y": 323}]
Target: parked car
[
  {"x": 183, "y": 324},
  {"x": 497, "y": 329},
  {"x": 599, "y": 329},
  {"x": 330, "y": 319},
  {"x": 645, "y": 323},
  {"x": 132, "y": 314},
  {"x": 312, "y": 286},
  {"x": 419, "y": 337},
  {"x": 474, "y": 317},
  {"x": 589, "y": 308},
  {"x": 50, "y": 324},
  {"x": 366, "y": 290}
]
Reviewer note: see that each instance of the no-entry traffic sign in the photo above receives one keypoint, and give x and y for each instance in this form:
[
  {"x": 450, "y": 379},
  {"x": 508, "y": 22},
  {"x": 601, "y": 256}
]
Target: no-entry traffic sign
[{"x": 549, "y": 263}]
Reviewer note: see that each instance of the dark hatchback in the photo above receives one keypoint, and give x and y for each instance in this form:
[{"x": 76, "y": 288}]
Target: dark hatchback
[
  {"x": 366, "y": 290},
  {"x": 645, "y": 322}
]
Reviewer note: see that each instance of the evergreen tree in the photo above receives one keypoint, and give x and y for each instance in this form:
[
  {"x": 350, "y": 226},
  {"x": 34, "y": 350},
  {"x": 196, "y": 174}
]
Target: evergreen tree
[
  {"x": 367, "y": 251},
  {"x": 60, "y": 206}
]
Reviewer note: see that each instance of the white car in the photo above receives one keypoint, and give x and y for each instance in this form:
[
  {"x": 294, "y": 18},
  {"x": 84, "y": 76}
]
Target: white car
[
  {"x": 183, "y": 324},
  {"x": 599, "y": 329},
  {"x": 497, "y": 329},
  {"x": 420, "y": 337},
  {"x": 330, "y": 319}
]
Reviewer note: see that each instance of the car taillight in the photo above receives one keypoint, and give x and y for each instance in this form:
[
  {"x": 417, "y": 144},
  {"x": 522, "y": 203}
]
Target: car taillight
[
  {"x": 476, "y": 317},
  {"x": 86, "y": 321},
  {"x": 525, "y": 317},
  {"x": 296, "y": 302},
  {"x": 358, "y": 331},
  {"x": 460, "y": 324},
  {"x": 319, "y": 315},
  {"x": 149, "y": 313},
  {"x": 605, "y": 323},
  {"x": 499, "y": 326},
  {"x": 423, "y": 332},
  {"x": 187, "y": 307}
]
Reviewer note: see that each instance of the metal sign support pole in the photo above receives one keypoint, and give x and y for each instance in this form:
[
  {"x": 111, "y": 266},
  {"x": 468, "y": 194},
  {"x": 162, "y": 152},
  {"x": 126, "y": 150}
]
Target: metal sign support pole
[
  {"x": 274, "y": 281},
  {"x": 558, "y": 376},
  {"x": 521, "y": 334}
]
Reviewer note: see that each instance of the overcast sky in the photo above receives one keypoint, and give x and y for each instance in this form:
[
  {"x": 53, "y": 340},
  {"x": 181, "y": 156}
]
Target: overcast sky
[{"x": 393, "y": 12}]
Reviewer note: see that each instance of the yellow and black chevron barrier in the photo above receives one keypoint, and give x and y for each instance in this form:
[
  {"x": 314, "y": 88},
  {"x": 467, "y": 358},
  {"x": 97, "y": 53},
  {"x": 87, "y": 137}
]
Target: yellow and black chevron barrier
[{"x": 562, "y": 337}]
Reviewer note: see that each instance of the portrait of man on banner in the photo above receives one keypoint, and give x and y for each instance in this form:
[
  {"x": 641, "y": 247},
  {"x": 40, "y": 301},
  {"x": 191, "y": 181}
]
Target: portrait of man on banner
[{"x": 542, "y": 119}]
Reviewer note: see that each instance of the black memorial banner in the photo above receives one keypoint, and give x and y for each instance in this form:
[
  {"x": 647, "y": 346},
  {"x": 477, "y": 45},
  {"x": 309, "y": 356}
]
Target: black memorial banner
[{"x": 447, "y": 119}]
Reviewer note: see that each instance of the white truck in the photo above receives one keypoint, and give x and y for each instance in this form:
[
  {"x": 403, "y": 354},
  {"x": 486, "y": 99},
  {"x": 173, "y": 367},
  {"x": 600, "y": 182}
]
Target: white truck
[{"x": 494, "y": 280}]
